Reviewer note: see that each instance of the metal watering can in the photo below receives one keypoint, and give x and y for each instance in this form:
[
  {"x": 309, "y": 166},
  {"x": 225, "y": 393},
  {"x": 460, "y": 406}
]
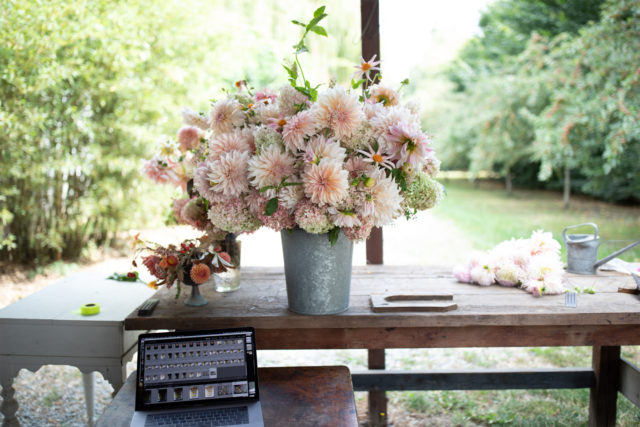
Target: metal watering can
[{"x": 582, "y": 250}]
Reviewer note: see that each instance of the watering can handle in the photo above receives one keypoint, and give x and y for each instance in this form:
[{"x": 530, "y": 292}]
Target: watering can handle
[{"x": 586, "y": 239}]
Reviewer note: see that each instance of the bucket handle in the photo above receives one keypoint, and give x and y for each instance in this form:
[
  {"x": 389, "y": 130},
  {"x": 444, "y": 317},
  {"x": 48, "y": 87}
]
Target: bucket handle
[{"x": 583, "y": 240}]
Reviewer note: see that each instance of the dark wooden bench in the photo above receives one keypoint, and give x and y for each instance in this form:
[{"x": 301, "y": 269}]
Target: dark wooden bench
[{"x": 290, "y": 396}]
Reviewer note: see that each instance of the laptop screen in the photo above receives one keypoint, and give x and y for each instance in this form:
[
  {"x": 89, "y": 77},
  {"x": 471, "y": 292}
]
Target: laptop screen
[{"x": 186, "y": 368}]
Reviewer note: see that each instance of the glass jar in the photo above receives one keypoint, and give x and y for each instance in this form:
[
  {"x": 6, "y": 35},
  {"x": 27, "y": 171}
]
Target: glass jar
[{"x": 229, "y": 280}]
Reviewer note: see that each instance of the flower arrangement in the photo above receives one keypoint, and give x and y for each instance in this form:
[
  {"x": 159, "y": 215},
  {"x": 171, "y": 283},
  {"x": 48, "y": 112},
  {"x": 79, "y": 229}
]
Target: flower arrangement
[
  {"x": 341, "y": 158},
  {"x": 192, "y": 262},
  {"x": 532, "y": 264}
]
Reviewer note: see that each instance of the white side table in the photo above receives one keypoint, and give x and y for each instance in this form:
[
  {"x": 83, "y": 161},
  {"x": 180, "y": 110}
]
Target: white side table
[{"x": 46, "y": 328}]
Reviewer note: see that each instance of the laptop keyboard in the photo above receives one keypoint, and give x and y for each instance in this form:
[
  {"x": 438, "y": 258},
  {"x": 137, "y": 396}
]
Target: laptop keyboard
[{"x": 205, "y": 417}]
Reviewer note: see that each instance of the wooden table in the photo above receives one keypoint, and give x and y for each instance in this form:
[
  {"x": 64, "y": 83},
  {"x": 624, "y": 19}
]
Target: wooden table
[
  {"x": 486, "y": 317},
  {"x": 46, "y": 328},
  {"x": 292, "y": 396}
]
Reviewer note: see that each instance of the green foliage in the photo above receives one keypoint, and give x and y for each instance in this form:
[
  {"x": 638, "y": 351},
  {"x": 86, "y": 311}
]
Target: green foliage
[
  {"x": 548, "y": 86},
  {"x": 591, "y": 124},
  {"x": 306, "y": 89},
  {"x": 85, "y": 88}
]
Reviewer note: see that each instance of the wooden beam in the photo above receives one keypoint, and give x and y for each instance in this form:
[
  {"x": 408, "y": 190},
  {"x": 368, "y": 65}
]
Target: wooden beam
[
  {"x": 473, "y": 380},
  {"x": 630, "y": 381},
  {"x": 604, "y": 393}
]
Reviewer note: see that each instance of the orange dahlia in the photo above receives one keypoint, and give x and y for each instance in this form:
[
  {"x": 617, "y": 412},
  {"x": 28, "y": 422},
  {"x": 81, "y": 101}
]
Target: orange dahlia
[{"x": 200, "y": 273}]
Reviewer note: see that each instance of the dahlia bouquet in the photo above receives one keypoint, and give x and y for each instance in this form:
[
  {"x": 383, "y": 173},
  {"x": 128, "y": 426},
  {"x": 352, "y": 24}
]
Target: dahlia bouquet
[
  {"x": 532, "y": 264},
  {"x": 193, "y": 262},
  {"x": 321, "y": 159}
]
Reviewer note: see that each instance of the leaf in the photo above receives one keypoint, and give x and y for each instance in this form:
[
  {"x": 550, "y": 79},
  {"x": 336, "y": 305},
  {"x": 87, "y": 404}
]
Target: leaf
[
  {"x": 319, "y": 30},
  {"x": 301, "y": 49},
  {"x": 299, "y": 23},
  {"x": 268, "y": 187},
  {"x": 355, "y": 84},
  {"x": 319, "y": 11},
  {"x": 315, "y": 21},
  {"x": 405, "y": 82},
  {"x": 333, "y": 235},
  {"x": 272, "y": 206}
]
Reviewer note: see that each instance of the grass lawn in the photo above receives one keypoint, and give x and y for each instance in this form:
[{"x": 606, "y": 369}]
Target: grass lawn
[{"x": 489, "y": 215}]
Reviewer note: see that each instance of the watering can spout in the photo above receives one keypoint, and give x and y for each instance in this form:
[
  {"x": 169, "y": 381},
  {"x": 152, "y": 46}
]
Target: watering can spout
[
  {"x": 582, "y": 250},
  {"x": 615, "y": 254}
]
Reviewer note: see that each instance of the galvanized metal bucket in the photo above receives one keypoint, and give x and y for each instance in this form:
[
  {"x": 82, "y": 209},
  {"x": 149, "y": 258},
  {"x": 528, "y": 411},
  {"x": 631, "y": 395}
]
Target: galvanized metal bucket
[{"x": 318, "y": 275}]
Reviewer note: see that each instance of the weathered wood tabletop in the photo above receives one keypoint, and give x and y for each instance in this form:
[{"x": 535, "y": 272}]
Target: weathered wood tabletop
[
  {"x": 486, "y": 316},
  {"x": 492, "y": 316},
  {"x": 291, "y": 396}
]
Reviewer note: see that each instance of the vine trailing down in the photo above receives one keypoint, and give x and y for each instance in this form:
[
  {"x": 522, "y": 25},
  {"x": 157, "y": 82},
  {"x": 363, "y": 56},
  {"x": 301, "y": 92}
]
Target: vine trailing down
[{"x": 322, "y": 160}]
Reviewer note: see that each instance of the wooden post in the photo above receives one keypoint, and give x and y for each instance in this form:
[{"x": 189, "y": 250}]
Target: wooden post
[
  {"x": 604, "y": 394},
  {"x": 370, "y": 35},
  {"x": 370, "y": 28},
  {"x": 377, "y": 399}
]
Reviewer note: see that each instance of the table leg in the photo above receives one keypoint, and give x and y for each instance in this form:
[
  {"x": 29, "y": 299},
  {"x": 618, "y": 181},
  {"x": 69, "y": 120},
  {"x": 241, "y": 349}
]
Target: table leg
[
  {"x": 9, "y": 403},
  {"x": 116, "y": 375},
  {"x": 89, "y": 394},
  {"x": 377, "y": 399},
  {"x": 604, "y": 394}
]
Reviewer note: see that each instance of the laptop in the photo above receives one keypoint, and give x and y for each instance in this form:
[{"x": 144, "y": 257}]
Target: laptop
[{"x": 197, "y": 378}]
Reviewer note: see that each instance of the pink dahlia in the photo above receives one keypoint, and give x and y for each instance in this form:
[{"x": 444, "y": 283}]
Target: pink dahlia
[
  {"x": 326, "y": 182},
  {"x": 226, "y": 115},
  {"x": 339, "y": 111},
  {"x": 387, "y": 117},
  {"x": 161, "y": 170},
  {"x": 227, "y": 142},
  {"x": 270, "y": 167},
  {"x": 384, "y": 95},
  {"x": 178, "y": 204},
  {"x": 229, "y": 173},
  {"x": 194, "y": 213},
  {"x": 320, "y": 148},
  {"x": 290, "y": 101},
  {"x": 386, "y": 198},
  {"x": 297, "y": 129},
  {"x": 357, "y": 166},
  {"x": 191, "y": 118},
  {"x": 265, "y": 96},
  {"x": 188, "y": 138},
  {"x": 202, "y": 183},
  {"x": 344, "y": 218},
  {"x": 408, "y": 144}
]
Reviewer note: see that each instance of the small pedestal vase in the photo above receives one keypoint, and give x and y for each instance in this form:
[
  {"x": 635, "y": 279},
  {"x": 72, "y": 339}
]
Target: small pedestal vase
[
  {"x": 195, "y": 299},
  {"x": 318, "y": 275},
  {"x": 229, "y": 280}
]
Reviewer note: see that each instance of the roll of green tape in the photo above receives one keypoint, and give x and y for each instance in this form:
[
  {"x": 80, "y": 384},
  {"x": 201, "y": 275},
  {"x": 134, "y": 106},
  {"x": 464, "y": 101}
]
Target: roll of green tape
[{"x": 90, "y": 309}]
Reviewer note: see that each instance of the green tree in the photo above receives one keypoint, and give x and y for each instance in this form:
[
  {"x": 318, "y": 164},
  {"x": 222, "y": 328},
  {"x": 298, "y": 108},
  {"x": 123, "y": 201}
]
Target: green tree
[
  {"x": 591, "y": 125},
  {"x": 87, "y": 87}
]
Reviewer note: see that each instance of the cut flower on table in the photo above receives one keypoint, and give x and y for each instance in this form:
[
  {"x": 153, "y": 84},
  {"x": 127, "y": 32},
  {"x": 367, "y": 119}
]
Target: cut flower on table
[{"x": 532, "y": 264}]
